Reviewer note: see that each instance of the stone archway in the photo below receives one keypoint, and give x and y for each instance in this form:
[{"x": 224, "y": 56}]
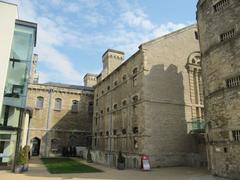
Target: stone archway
[{"x": 36, "y": 142}]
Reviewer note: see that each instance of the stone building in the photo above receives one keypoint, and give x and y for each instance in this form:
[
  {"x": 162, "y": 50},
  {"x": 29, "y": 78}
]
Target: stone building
[
  {"x": 219, "y": 31},
  {"x": 62, "y": 116},
  {"x": 151, "y": 103}
]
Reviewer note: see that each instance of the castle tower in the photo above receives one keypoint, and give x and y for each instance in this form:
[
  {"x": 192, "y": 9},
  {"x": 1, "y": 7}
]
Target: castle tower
[
  {"x": 90, "y": 80},
  {"x": 34, "y": 77},
  {"x": 111, "y": 60},
  {"x": 219, "y": 35}
]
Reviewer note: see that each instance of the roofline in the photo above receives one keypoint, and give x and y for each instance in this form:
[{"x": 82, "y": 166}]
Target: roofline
[
  {"x": 51, "y": 85},
  {"x": 8, "y": 3},
  {"x": 114, "y": 51},
  {"x": 90, "y": 74},
  {"x": 28, "y": 24},
  {"x": 169, "y": 34}
]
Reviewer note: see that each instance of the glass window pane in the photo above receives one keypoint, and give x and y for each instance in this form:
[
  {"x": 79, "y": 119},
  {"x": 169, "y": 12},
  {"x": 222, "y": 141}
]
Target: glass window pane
[{"x": 22, "y": 45}]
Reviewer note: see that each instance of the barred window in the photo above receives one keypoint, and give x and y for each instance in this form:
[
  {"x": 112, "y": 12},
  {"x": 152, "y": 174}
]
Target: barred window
[
  {"x": 221, "y": 5},
  {"x": 124, "y": 103},
  {"x": 135, "y": 130},
  {"x": 233, "y": 82},
  {"x": 74, "y": 106},
  {"x": 39, "y": 102},
  {"x": 236, "y": 135},
  {"x": 124, "y": 77},
  {"x": 115, "y": 106},
  {"x": 228, "y": 35},
  {"x": 135, "y": 98},
  {"x": 58, "y": 104}
]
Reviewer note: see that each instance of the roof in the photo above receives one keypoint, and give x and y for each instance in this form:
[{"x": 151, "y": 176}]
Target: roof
[
  {"x": 29, "y": 24},
  {"x": 90, "y": 74},
  {"x": 69, "y": 86},
  {"x": 114, "y": 51}
]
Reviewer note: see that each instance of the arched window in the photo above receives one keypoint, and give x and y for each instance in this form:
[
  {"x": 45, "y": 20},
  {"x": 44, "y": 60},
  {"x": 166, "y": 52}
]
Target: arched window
[
  {"x": 74, "y": 106},
  {"x": 135, "y": 70},
  {"x": 135, "y": 98},
  {"x": 39, "y": 102},
  {"x": 58, "y": 104}
]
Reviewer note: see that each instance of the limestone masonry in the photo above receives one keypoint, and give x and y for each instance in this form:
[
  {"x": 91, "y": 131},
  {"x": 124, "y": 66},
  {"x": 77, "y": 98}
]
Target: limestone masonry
[
  {"x": 218, "y": 24},
  {"x": 151, "y": 104}
]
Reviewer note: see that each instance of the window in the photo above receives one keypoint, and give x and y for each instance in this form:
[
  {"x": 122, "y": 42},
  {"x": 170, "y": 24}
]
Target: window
[
  {"x": 124, "y": 103},
  {"x": 74, "y": 106},
  {"x": 90, "y": 107},
  {"x": 233, "y": 82},
  {"x": 101, "y": 133},
  {"x": 124, "y": 78},
  {"x": 124, "y": 131},
  {"x": 39, "y": 103},
  {"x": 115, "y": 83},
  {"x": 108, "y": 109},
  {"x": 58, "y": 104},
  {"x": 135, "y": 98},
  {"x": 101, "y": 111},
  {"x": 134, "y": 80},
  {"x": 107, "y": 133},
  {"x": 221, "y": 5},
  {"x": 236, "y": 135},
  {"x": 135, "y": 70},
  {"x": 135, "y": 143},
  {"x": 135, "y": 130},
  {"x": 196, "y": 35},
  {"x": 115, "y": 106},
  {"x": 108, "y": 88},
  {"x": 228, "y": 35},
  {"x": 114, "y": 132},
  {"x": 102, "y": 92}
]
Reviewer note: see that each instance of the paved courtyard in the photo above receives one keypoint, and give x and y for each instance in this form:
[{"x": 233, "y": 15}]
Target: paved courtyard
[{"x": 38, "y": 171}]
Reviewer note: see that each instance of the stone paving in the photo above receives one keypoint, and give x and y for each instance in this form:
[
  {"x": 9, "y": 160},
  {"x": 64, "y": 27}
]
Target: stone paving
[{"x": 38, "y": 171}]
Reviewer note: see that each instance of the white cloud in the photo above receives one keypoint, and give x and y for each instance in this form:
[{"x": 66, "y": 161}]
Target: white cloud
[
  {"x": 137, "y": 19},
  {"x": 167, "y": 28},
  {"x": 127, "y": 29},
  {"x": 50, "y": 36}
]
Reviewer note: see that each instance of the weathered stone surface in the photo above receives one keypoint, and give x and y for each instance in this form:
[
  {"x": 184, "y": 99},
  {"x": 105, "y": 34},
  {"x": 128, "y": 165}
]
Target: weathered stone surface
[
  {"x": 220, "y": 48},
  {"x": 146, "y": 105},
  {"x": 63, "y": 127}
]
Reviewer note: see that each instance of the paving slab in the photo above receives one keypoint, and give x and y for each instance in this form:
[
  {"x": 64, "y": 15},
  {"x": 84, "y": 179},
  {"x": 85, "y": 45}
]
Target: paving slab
[{"x": 38, "y": 171}]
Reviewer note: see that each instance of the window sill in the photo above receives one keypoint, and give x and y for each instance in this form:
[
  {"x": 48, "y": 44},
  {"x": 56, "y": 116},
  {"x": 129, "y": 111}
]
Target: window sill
[{"x": 58, "y": 110}]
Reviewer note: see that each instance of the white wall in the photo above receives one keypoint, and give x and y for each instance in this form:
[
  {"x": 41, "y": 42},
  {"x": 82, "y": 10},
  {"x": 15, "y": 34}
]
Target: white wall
[{"x": 7, "y": 24}]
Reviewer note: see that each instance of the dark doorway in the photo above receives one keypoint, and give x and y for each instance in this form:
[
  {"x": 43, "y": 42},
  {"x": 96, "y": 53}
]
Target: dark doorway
[{"x": 36, "y": 146}]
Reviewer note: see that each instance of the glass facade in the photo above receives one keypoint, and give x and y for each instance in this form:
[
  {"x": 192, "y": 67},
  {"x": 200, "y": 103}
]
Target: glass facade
[
  {"x": 15, "y": 91},
  {"x": 19, "y": 66}
]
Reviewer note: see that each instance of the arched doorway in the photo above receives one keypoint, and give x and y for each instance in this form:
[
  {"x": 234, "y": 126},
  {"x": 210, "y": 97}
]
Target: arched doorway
[{"x": 36, "y": 146}]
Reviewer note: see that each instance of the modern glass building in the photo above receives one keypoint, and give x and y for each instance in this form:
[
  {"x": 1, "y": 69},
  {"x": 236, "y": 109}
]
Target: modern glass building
[{"x": 13, "y": 110}]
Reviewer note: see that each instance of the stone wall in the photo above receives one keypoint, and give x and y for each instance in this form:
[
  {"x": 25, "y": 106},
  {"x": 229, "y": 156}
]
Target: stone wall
[
  {"x": 58, "y": 128},
  {"x": 218, "y": 24},
  {"x": 144, "y": 106}
]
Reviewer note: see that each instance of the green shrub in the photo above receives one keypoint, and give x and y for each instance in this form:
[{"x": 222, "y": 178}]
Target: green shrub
[{"x": 23, "y": 155}]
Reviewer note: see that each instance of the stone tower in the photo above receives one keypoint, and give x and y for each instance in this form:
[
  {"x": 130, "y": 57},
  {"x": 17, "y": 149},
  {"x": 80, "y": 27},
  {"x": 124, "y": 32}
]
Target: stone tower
[
  {"x": 219, "y": 33},
  {"x": 90, "y": 80},
  {"x": 34, "y": 77},
  {"x": 111, "y": 60}
]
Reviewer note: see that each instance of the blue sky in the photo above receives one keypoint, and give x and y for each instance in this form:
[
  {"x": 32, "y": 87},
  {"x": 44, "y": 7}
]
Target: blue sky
[{"x": 73, "y": 34}]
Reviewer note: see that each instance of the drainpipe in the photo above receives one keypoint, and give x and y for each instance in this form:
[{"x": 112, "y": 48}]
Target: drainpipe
[
  {"x": 110, "y": 133},
  {"x": 50, "y": 91}
]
